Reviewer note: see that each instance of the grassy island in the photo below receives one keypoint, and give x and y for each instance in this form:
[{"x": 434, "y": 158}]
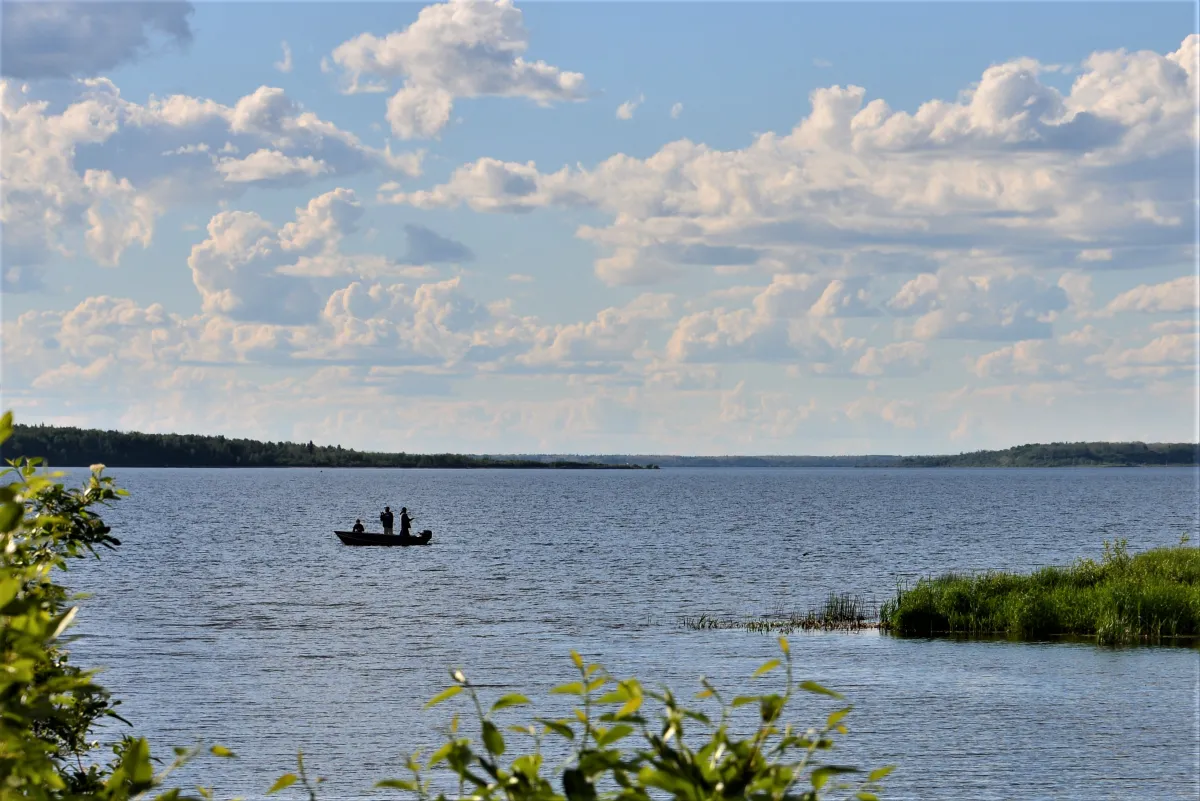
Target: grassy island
[
  {"x": 1152, "y": 596},
  {"x": 79, "y": 447}
]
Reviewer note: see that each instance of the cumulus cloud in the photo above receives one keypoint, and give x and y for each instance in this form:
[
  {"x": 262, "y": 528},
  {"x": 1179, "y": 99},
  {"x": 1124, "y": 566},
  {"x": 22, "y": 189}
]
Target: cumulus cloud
[
  {"x": 1179, "y": 295},
  {"x": 991, "y": 307},
  {"x": 236, "y": 268},
  {"x": 777, "y": 326},
  {"x": 109, "y": 166},
  {"x": 893, "y": 359},
  {"x": 676, "y": 110},
  {"x": 78, "y": 39},
  {"x": 1014, "y": 169},
  {"x": 456, "y": 49},
  {"x": 626, "y": 109}
]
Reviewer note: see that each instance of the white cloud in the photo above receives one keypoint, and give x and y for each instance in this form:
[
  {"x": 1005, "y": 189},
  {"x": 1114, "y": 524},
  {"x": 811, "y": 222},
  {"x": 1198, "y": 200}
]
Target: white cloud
[
  {"x": 65, "y": 39},
  {"x": 237, "y": 269},
  {"x": 676, "y": 110},
  {"x": 893, "y": 359},
  {"x": 626, "y": 109},
  {"x": 1181, "y": 294},
  {"x": 265, "y": 165},
  {"x": 457, "y": 49},
  {"x": 520, "y": 278},
  {"x": 100, "y": 161},
  {"x": 822, "y": 63},
  {"x": 993, "y": 307},
  {"x": 285, "y": 64},
  {"x": 1015, "y": 169}
]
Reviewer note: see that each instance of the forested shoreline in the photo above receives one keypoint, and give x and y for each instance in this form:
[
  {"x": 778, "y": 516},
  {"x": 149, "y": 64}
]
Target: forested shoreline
[
  {"x": 64, "y": 446},
  {"x": 1070, "y": 454}
]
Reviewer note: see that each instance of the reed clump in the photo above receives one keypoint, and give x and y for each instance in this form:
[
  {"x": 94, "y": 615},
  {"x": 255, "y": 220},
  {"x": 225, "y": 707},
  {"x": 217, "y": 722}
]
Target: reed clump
[
  {"x": 1122, "y": 598},
  {"x": 840, "y": 612}
]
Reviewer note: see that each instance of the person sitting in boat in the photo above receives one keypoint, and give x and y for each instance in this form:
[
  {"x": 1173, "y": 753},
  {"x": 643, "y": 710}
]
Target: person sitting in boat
[
  {"x": 386, "y": 518},
  {"x": 358, "y": 527},
  {"x": 405, "y": 522}
]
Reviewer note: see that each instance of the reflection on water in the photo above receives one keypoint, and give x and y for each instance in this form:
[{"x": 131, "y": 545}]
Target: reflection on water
[{"x": 232, "y": 613}]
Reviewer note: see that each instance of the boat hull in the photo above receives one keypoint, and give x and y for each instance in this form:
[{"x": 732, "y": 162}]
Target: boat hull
[{"x": 384, "y": 540}]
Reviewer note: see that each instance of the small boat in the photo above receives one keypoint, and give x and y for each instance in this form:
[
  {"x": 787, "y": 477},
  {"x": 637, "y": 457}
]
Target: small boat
[{"x": 371, "y": 538}]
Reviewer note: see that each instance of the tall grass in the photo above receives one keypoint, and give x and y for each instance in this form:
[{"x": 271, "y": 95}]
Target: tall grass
[{"x": 1148, "y": 597}]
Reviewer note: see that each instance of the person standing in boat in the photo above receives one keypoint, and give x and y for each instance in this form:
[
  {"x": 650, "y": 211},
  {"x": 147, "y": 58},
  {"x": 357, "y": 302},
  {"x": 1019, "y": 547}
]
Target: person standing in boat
[
  {"x": 358, "y": 527},
  {"x": 405, "y": 522},
  {"x": 386, "y": 518}
]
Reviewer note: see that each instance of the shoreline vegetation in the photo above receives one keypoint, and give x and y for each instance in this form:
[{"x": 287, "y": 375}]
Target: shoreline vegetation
[
  {"x": 64, "y": 446},
  {"x": 1151, "y": 597},
  {"x": 77, "y": 447},
  {"x": 1124, "y": 598}
]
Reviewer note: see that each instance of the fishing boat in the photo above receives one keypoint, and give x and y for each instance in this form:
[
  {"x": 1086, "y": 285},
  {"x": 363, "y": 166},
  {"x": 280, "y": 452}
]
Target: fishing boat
[{"x": 372, "y": 538}]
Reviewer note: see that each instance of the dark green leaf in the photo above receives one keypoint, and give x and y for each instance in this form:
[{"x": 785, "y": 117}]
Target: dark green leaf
[
  {"x": 492, "y": 738},
  {"x": 558, "y": 727}
]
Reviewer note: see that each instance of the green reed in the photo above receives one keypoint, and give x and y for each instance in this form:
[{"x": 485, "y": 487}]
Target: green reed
[
  {"x": 840, "y": 612},
  {"x": 1151, "y": 597}
]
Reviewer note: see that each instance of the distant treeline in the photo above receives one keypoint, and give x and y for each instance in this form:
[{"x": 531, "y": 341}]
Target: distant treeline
[
  {"x": 1069, "y": 454},
  {"x": 78, "y": 447},
  {"x": 666, "y": 460}
]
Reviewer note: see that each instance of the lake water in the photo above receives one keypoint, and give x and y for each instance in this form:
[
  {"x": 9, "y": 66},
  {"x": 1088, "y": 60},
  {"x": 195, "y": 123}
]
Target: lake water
[{"x": 231, "y": 613}]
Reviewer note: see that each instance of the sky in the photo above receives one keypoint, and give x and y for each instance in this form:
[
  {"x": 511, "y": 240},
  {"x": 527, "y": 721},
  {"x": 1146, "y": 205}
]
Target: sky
[{"x": 693, "y": 228}]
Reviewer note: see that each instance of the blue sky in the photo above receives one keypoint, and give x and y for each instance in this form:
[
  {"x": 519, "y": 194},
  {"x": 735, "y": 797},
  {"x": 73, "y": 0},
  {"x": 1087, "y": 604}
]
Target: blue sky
[{"x": 812, "y": 228}]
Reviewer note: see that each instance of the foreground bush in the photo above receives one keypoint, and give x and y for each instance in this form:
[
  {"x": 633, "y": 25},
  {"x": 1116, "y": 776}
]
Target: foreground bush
[
  {"x": 1151, "y": 597},
  {"x": 49, "y": 708}
]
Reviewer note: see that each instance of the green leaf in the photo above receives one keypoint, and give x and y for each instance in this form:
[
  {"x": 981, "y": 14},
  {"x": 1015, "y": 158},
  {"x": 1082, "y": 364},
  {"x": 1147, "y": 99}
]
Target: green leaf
[
  {"x": 577, "y": 659},
  {"x": 514, "y": 699},
  {"x": 742, "y": 700},
  {"x": 617, "y": 696},
  {"x": 558, "y": 727},
  {"x": 823, "y": 774},
  {"x": 879, "y": 773},
  {"x": 10, "y": 515},
  {"x": 573, "y": 688},
  {"x": 221, "y": 751},
  {"x": 397, "y": 784},
  {"x": 631, "y": 706},
  {"x": 835, "y": 718},
  {"x": 813, "y": 687},
  {"x": 612, "y": 735},
  {"x": 284, "y": 781},
  {"x": 863, "y": 795},
  {"x": 449, "y": 692},
  {"x": 438, "y": 755},
  {"x": 492, "y": 738},
  {"x": 783, "y": 646},
  {"x": 766, "y": 668}
]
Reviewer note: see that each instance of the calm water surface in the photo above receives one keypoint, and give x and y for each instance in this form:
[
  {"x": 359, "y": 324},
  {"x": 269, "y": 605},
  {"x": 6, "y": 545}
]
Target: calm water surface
[{"x": 232, "y": 613}]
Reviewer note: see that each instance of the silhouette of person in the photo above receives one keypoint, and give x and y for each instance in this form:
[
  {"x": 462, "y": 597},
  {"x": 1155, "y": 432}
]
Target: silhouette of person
[
  {"x": 405, "y": 522},
  {"x": 358, "y": 527},
  {"x": 387, "y": 519}
]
